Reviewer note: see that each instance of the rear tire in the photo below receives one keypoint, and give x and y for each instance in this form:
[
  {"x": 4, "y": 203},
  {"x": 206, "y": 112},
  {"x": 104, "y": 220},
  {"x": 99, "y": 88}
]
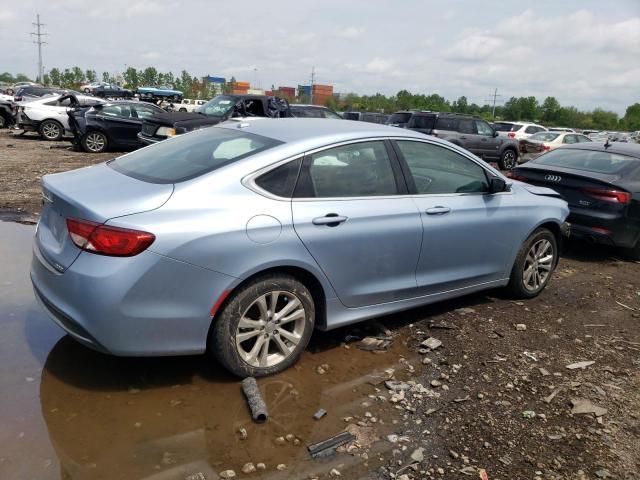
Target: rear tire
[
  {"x": 633, "y": 253},
  {"x": 252, "y": 337},
  {"x": 534, "y": 265},
  {"x": 51, "y": 130},
  {"x": 508, "y": 160},
  {"x": 94, "y": 142}
]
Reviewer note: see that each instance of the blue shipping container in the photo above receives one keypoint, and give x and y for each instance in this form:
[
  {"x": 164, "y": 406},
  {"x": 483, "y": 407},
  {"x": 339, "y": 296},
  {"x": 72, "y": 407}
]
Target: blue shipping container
[{"x": 216, "y": 79}]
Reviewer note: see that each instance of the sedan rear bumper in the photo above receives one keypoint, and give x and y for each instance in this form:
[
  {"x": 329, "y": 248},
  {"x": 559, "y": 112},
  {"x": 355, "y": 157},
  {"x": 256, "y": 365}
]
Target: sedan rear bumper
[
  {"x": 616, "y": 231},
  {"x": 145, "y": 305}
]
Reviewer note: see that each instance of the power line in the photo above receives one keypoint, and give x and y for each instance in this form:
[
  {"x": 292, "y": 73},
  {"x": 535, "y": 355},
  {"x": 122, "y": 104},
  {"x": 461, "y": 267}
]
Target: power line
[{"x": 39, "y": 34}]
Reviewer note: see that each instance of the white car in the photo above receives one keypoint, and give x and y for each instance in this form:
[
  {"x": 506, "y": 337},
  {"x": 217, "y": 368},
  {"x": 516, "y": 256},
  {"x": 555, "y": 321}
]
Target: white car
[
  {"x": 542, "y": 142},
  {"x": 188, "y": 105},
  {"x": 517, "y": 130},
  {"x": 562, "y": 129},
  {"x": 88, "y": 87},
  {"x": 48, "y": 115}
]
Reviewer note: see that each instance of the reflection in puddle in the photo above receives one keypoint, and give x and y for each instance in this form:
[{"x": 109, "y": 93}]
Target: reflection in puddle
[
  {"x": 98, "y": 416},
  {"x": 173, "y": 417}
]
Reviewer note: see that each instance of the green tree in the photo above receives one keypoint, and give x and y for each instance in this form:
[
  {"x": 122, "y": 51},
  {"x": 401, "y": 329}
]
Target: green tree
[
  {"x": 631, "y": 119},
  {"x": 90, "y": 75},
  {"x": 105, "y": 77},
  {"x": 149, "y": 77},
  {"x": 549, "y": 110},
  {"x": 55, "y": 77},
  {"x": 461, "y": 105},
  {"x": 130, "y": 76}
]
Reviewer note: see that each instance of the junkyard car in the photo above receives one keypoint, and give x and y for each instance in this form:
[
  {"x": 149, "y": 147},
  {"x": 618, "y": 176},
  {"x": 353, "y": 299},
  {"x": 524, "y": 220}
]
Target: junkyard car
[
  {"x": 244, "y": 237},
  {"x": 109, "y": 126},
  {"x": 159, "y": 92},
  {"x": 111, "y": 91},
  {"x": 48, "y": 116},
  {"x": 218, "y": 109}
]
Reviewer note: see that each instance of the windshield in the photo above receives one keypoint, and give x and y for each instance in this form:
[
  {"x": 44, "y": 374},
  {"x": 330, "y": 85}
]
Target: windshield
[
  {"x": 218, "y": 106},
  {"x": 399, "y": 118},
  {"x": 544, "y": 136},
  {"x": 188, "y": 156},
  {"x": 587, "y": 160}
]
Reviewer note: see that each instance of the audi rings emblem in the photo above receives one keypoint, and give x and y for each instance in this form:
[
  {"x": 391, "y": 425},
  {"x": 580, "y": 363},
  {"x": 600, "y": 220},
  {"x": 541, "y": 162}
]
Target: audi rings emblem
[{"x": 552, "y": 178}]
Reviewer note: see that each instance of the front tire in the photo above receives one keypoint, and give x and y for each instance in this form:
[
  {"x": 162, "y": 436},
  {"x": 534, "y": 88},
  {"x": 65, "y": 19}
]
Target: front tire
[
  {"x": 264, "y": 327},
  {"x": 51, "y": 130},
  {"x": 94, "y": 142},
  {"x": 508, "y": 160},
  {"x": 534, "y": 264},
  {"x": 633, "y": 253}
]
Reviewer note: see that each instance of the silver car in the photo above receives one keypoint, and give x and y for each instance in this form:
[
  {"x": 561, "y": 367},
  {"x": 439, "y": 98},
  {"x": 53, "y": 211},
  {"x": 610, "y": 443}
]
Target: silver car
[{"x": 240, "y": 239}]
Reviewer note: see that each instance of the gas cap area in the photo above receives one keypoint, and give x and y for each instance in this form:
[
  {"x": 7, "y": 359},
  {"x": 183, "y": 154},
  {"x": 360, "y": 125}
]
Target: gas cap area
[{"x": 263, "y": 229}]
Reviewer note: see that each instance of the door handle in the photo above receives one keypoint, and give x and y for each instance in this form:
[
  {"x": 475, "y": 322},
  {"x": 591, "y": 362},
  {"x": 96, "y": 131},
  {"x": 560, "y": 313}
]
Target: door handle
[
  {"x": 438, "y": 210},
  {"x": 330, "y": 220},
  {"x": 462, "y": 137}
]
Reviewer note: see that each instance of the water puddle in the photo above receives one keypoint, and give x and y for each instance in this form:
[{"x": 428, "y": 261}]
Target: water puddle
[{"x": 71, "y": 413}]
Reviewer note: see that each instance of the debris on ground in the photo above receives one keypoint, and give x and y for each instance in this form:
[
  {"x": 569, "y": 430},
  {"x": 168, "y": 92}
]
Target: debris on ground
[
  {"x": 254, "y": 399},
  {"x": 581, "y": 365},
  {"x": 520, "y": 327},
  {"x": 583, "y": 406},
  {"x": 373, "y": 344},
  {"x": 319, "y": 414},
  {"x": 431, "y": 343},
  {"x": 328, "y": 446}
]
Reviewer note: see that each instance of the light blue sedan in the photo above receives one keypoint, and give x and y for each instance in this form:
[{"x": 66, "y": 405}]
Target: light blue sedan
[{"x": 240, "y": 239}]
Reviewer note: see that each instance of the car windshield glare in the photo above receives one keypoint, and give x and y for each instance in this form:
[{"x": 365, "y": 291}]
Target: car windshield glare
[
  {"x": 544, "y": 136},
  {"x": 188, "y": 156},
  {"x": 217, "y": 106},
  {"x": 587, "y": 160}
]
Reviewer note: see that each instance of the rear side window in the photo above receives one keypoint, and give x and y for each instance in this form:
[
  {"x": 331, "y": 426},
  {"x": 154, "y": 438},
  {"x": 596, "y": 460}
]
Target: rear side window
[
  {"x": 356, "y": 170},
  {"x": 466, "y": 126},
  {"x": 447, "y": 124},
  {"x": 504, "y": 127},
  {"x": 188, "y": 156},
  {"x": 588, "y": 160},
  {"x": 282, "y": 180},
  {"x": 399, "y": 118},
  {"x": 544, "y": 136},
  {"x": 423, "y": 121}
]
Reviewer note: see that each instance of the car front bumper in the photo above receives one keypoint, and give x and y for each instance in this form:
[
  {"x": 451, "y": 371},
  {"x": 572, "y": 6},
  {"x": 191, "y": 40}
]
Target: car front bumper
[
  {"x": 147, "y": 140},
  {"x": 147, "y": 305}
]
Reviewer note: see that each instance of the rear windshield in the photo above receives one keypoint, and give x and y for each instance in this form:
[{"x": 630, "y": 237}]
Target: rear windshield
[
  {"x": 506, "y": 127},
  {"x": 399, "y": 118},
  {"x": 544, "y": 136},
  {"x": 587, "y": 160},
  {"x": 188, "y": 156}
]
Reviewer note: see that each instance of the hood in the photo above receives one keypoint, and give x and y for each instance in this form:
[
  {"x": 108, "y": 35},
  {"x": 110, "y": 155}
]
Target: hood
[{"x": 186, "y": 120}]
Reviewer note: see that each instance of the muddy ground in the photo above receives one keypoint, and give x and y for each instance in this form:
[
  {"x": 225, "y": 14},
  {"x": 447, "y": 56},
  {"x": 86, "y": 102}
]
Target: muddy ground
[{"x": 495, "y": 397}]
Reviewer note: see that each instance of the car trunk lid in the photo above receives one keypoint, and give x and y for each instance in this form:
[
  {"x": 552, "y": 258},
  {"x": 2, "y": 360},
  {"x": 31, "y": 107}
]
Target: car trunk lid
[{"x": 96, "y": 193}]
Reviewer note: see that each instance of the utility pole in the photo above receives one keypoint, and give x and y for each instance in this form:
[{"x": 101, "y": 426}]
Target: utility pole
[
  {"x": 495, "y": 98},
  {"x": 313, "y": 81},
  {"x": 38, "y": 34}
]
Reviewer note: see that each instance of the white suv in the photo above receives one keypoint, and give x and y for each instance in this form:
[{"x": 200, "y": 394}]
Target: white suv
[
  {"x": 48, "y": 115},
  {"x": 517, "y": 130}
]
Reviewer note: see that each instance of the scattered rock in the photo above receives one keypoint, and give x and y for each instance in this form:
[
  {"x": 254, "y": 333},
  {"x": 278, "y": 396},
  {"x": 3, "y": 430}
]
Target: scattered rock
[
  {"x": 602, "y": 473},
  {"x": 280, "y": 441},
  {"x": 583, "y": 406},
  {"x": 319, "y": 414},
  {"x": 248, "y": 468},
  {"x": 431, "y": 343},
  {"x": 436, "y": 383},
  {"x": 544, "y": 372},
  {"x": 417, "y": 455},
  {"x": 528, "y": 414},
  {"x": 372, "y": 344},
  {"x": 243, "y": 433},
  {"x": 521, "y": 327},
  {"x": 281, "y": 466},
  {"x": 261, "y": 466},
  {"x": 582, "y": 365},
  {"x": 393, "y": 438},
  {"x": 322, "y": 369},
  {"x": 334, "y": 473},
  {"x": 464, "y": 311},
  {"x": 396, "y": 385},
  {"x": 228, "y": 474}
]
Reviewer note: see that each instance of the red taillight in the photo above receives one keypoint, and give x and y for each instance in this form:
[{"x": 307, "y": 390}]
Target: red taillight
[
  {"x": 511, "y": 134},
  {"x": 614, "y": 196},
  {"x": 546, "y": 147},
  {"x": 105, "y": 240}
]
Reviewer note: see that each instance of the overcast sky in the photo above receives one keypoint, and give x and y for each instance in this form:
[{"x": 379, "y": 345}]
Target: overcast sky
[{"x": 584, "y": 52}]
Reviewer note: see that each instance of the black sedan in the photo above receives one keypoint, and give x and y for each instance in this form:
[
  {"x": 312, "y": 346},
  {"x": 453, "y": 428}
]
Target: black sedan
[
  {"x": 601, "y": 183},
  {"x": 110, "y": 126},
  {"x": 111, "y": 91}
]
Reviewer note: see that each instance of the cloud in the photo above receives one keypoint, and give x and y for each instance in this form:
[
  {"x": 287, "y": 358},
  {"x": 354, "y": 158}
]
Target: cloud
[
  {"x": 475, "y": 47},
  {"x": 6, "y": 15},
  {"x": 350, "y": 32}
]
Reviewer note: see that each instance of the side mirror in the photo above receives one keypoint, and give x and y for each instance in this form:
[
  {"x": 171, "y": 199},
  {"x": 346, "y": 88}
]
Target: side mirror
[
  {"x": 497, "y": 185},
  {"x": 495, "y": 133}
]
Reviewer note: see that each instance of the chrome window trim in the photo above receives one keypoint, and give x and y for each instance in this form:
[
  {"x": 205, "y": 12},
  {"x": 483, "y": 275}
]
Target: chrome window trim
[{"x": 249, "y": 181}]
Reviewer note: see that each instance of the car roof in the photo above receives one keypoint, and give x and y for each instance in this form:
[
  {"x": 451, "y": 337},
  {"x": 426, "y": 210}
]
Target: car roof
[
  {"x": 319, "y": 130},
  {"x": 630, "y": 149},
  {"x": 308, "y": 105}
]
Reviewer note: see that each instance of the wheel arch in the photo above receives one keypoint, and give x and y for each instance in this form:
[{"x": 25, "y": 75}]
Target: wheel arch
[
  {"x": 554, "y": 227},
  {"x": 303, "y": 275}
]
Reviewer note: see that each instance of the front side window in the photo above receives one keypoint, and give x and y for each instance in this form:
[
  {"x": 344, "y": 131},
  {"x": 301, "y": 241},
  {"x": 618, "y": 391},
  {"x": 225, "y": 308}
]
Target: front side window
[
  {"x": 438, "y": 170},
  {"x": 444, "y": 123},
  {"x": 484, "y": 128},
  {"x": 188, "y": 156},
  {"x": 569, "y": 139},
  {"x": 356, "y": 170},
  {"x": 122, "y": 111},
  {"x": 145, "y": 111}
]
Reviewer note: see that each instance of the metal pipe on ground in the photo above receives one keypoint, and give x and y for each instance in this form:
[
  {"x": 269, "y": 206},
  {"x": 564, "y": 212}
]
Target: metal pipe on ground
[{"x": 257, "y": 406}]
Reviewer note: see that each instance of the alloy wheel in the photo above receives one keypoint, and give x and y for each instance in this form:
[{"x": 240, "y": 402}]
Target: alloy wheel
[
  {"x": 95, "y": 142},
  {"x": 509, "y": 160},
  {"x": 538, "y": 265},
  {"x": 51, "y": 131},
  {"x": 270, "y": 329}
]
